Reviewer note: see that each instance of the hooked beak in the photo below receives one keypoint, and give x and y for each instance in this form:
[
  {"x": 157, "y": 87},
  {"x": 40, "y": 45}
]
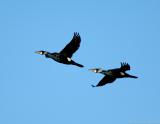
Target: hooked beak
[{"x": 39, "y": 52}]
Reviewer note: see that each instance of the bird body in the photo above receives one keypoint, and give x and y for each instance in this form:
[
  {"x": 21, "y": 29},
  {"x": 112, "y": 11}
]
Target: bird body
[
  {"x": 112, "y": 74},
  {"x": 118, "y": 73},
  {"x": 59, "y": 58},
  {"x": 65, "y": 55}
]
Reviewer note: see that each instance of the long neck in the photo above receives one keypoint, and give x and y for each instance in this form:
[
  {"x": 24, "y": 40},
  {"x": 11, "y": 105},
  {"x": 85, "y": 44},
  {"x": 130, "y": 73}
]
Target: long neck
[
  {"x": 47, "y": 54},
  {"x": 55, "y": 56},
  {"x": 103, "y": 72}
]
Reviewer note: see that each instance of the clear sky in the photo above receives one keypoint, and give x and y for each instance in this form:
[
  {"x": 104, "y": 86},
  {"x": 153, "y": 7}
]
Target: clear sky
[{"x": 36, "y": 90}]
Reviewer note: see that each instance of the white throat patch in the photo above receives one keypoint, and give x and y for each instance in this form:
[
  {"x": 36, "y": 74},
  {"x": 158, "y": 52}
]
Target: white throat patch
[{"x": 40, "y": 53}]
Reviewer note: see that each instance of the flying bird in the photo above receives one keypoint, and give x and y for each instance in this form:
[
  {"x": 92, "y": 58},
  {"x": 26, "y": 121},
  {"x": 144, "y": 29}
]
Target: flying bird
[
  {"x": 112, "y": 74},
  {"x": 65, "y": 55}
]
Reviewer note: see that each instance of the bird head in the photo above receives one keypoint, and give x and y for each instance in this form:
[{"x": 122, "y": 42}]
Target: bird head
[
  {"x": 96, "y": 70},
  {"x": 41, "y": 52}
]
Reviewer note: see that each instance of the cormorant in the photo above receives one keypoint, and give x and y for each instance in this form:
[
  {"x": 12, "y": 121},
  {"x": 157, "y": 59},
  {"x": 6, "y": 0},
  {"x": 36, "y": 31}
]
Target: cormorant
[
  {"x": 64, "y": 56},
  {"x": 112, "y": 74}
]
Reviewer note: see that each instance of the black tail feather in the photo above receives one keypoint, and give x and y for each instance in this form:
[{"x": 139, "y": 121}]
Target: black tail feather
[
  {"x": 93, "y": 85},
  {"x": 79, "y": 65},
  {"x": 131, "y": 76}
]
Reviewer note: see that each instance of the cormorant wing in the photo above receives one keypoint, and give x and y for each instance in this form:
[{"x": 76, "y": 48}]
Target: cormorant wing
[
  {"x": 73, "y": 46},
  {"x": 105, "y": 80},
  {"x": 125, "y": 66}
]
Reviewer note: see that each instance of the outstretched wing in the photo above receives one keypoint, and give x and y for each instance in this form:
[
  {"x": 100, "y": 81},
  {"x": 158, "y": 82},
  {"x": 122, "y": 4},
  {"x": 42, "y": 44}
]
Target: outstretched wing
[
  {"x": 73, "y": 46},
  {"x": 105, "y": 80},
  {"x": 125, "y": 66}
]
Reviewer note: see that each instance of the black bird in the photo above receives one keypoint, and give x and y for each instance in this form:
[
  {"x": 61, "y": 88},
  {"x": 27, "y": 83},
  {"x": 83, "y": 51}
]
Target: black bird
[
  {"x": 112, "y": 74},
  {"x": 64, "y": 56}
]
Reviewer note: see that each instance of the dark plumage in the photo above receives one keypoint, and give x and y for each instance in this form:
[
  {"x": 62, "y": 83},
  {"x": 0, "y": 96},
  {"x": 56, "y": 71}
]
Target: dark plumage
[
  {"x": 64, "y": 56},
  {"x": 112, "y": 74}
]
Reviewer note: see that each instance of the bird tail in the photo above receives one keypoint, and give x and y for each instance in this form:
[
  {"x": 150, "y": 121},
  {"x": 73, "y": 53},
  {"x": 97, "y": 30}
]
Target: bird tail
[
  {"x": 79, "y": 65},
  {"x": 93, "y": 85},
  {"x": 131, "y": 76}
]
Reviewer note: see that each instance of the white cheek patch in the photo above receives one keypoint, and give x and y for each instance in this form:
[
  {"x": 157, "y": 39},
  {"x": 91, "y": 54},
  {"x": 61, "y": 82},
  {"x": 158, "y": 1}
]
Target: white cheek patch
[
  {"x": 121, "y": 73},
  {"x": 69, "y": 59},
  {"x": 95, "y": 71}
]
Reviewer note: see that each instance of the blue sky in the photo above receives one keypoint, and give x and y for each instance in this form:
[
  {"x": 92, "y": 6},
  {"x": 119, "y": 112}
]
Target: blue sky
[{"x": 36, "y": 90}]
